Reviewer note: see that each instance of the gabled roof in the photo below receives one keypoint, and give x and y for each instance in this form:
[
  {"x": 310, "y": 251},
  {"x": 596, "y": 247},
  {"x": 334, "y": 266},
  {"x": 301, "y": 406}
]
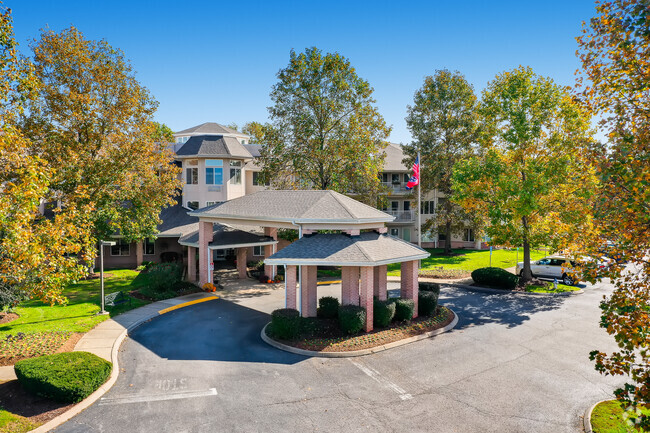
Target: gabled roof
[
  {"x": 367, "y": 249},
  {"x": 209, "y": 128},
  {"x": 394, "y": 157},
  {"x": 176, "y": 222},
  {"x": 214, "y": 145},
  {"x": 227, "y": 237},
  {"x": 299, "y": 206}
]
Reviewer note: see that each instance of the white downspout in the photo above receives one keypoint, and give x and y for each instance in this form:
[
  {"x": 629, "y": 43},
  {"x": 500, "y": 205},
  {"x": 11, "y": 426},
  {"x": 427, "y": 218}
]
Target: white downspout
[{"x": 298, "y": 298}]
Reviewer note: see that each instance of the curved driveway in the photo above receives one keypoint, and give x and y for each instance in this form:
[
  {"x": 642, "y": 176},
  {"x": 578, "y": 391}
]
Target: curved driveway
[{"x": 513, "y": 364}]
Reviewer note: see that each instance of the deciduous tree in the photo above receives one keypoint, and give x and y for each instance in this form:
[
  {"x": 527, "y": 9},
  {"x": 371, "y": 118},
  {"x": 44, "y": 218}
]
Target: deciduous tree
[
  {"x": 325, "y": 131},
  {"x": 530, "y": 178},
  {"x": 443, "y": 123},
  {"x": 615, "y": 81}
]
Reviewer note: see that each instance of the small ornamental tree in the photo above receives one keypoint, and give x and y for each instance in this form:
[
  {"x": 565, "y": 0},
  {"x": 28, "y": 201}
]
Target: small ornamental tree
[{"x": 615, "y": 52}]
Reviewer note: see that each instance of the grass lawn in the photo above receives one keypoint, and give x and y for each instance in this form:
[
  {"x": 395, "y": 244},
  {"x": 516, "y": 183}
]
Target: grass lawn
[
  {"x": 46, "y": 327},
  {"x": 10, "y": 423},
  {"x": 548, "y": 288},
  {"x": 470, "y": 260},
  {"x": 607, "y": 417}
]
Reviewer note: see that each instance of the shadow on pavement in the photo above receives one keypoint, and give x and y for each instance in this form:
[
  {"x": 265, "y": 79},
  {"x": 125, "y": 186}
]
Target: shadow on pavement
[
  {"x": 475, "y": 309},
  {"x": 218, "y": 330}
]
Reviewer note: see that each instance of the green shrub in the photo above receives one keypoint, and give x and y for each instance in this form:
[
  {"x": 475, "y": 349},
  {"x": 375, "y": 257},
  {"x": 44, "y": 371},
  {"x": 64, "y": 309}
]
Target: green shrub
[
  {"x": 427, "y": 303},
  {"x": 352, "y": 318},
  {"x": 404, "y": 309},
  {"x": 66, "y": 377},
  {"x": 163, "y": 277},
  {"x": 383, "y": 313},
  {"x": 145, "y": 266},
  {"x": 495, "y": 277},
  {"x": 10, "y": 296},
  {"x": 328, "y": 307},
  {"x": 285, "y": 323},
  {"x": 429, "y": 287}
]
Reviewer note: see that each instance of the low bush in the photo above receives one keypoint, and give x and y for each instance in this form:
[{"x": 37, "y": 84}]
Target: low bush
[
  {"x": 328, "y": 307},
  {"x": 429, "y": 287},
  {"x": 495, "y": 277},
  {"x": 66, "y": 377},
  {"x": 404, "y": 309},
  {"x": 427, "y": 303},
  {"x": 383, "y": 313},
  {"x": 352, "y": 318},
  {"x": 163, "y": 277},
  {"x": 145, "y": 266},
  {"x": 285, "y": 323}
]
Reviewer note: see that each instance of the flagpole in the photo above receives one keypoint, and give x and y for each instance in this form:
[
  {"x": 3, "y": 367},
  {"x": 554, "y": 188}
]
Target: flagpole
[{"x": 419, "y": 208}]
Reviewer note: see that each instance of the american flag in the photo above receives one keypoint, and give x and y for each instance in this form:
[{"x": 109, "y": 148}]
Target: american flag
[{"x": 415, "y": 179}]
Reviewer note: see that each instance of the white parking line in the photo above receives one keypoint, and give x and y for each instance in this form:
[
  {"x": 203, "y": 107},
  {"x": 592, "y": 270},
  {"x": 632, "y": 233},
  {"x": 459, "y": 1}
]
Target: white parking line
[
  {"x": 382, "y": 380},
  {"x": 147, "y": 398}
]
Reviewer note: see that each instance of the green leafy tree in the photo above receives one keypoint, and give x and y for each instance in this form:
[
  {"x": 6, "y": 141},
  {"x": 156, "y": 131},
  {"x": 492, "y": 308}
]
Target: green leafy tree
[
  {"x": 443, "y": 123},
  {"x": 92, "y": 122},
  {"x": 531, "y": 178},
  {"x": 615, "y": 52},
  {"x": 325, "y": 131}
]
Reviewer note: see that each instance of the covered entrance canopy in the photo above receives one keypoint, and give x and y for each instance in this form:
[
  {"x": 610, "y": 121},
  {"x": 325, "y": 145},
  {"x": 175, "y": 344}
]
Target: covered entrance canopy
[{"x": 363, "y": 259}]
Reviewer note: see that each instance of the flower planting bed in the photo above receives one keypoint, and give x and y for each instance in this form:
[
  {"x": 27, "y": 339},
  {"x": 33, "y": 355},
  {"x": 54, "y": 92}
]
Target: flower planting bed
[
  {"x": 325, "y": 335},
  {"x": 13, "y": 348}
]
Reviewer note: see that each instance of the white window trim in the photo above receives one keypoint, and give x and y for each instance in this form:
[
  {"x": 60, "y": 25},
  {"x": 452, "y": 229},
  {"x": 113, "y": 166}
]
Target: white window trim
[
  {"x": 258, "y": 255},
  {"x": 120, "y": 255}
]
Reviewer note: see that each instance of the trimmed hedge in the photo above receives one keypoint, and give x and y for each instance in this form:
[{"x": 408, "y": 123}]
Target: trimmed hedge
[
  {"x": 285, "y": 323},
  {"x": 429, "y": 287},
  {"x": 65, "y": 377},
  {"x": 352, "y": 318},
  {"x": 383, "y": 313},
  {"x": 328, "y": 307},
  {"x": 495, "y": 277},
  {"x": 404, "y": 309},
  {"x": 427, "y": 303}
]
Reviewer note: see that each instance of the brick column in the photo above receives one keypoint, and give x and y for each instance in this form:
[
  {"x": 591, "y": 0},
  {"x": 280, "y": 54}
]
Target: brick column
[
  {"x": 269, "y": 270},
  {"x": 290, "y": 281},
  {"x": 380, "y": 282},
  {"x": 409, "y": 288},
  {"x": 191, "y": 264},
  {"x": 350, "y": 285},
  {"x": 366, "y": 273},
  {"x": 139, "y": 253},
  {"x": 309, "y": 295},
  {"x": 205, "y": 237},
  {"x": 241, "y": 263}
]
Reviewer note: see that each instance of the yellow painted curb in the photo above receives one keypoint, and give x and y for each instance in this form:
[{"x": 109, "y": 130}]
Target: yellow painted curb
[
  {"x": 321, "y": 283},
  {"x": 186, "y": 304}
]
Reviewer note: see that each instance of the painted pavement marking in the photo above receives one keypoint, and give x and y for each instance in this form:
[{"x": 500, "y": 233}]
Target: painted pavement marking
[
  {"x": 148, "y": 398},
  {"x": 186, "y": 304},
  {"x": 374, "y": 374}
]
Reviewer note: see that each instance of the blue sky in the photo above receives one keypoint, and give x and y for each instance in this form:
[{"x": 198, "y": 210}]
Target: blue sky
[{"x": 217, "y": 61}]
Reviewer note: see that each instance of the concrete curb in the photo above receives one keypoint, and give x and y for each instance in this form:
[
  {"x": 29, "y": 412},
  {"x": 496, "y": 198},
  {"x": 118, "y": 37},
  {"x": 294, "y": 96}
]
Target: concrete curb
[
  {"x": 587, "y": 418},
  {"x": 501, "y": 292},
  {"x": 92, "y": 398},
  {"x": 355, "y": 353}
]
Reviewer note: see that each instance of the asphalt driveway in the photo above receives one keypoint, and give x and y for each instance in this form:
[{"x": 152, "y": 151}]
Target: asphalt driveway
[{"x": 513, "y": 364}]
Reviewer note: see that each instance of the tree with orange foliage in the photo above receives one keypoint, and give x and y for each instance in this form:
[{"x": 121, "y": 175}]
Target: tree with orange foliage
[{"x": 615, "y": 82}]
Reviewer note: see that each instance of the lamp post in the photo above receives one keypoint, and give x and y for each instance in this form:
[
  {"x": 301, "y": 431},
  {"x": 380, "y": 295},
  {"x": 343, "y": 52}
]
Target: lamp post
[{"x": 103, "y": 244}]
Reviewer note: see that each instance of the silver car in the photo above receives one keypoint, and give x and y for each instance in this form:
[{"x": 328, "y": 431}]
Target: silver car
[{"x": 552, "y": 267}]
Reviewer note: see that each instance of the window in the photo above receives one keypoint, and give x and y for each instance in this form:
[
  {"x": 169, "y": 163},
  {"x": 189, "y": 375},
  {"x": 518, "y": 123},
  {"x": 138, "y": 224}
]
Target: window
[
  {"x": 214, "y": 171},
  {"x": 557, "y": 262},
  {"x": 192, "y": 176},
  {"x": 121, "y": 248},
  {"x": 395, "y": 179},
  {"x": 394, "y": 232},
  {"x": 258, "y": 250},
  {"x": 182, "y": 140},
  {"x": 407, "y": 205},
  {"x": 212, "y": 203},
  {"x": 235, "y": 172},
  {"x": 442, "y": 236},
  {"x": 257, "y": 179},
  {"x": 427, "y": 207},
  {"x": 384, "y": 177},
  {"x": 194, "y": 205},
  {"x": 544, "y": 262},
  {"x": 469, "y": 235},
  {"x": 406, "y": 177},
  {"x": 149, "y": 247},
  {"x": 406, "y": 235},
  {"x": 394, "y": 206},
  {"x": 243, "y": 142}
]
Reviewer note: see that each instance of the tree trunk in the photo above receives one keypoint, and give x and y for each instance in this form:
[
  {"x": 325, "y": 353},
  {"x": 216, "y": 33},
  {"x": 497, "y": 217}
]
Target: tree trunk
[{"x": 527, "y": 274}]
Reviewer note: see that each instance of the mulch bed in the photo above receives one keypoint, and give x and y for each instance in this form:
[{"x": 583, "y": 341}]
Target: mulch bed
[
  {"x": 97, "y": 275},
  {"x": 16, "y": 400},
  {"x": 324, "y": 335},
  {"x": 8, "y": 317}
]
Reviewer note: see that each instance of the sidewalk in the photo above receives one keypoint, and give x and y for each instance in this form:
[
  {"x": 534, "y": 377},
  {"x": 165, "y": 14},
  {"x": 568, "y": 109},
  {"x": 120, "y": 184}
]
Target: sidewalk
[{"x": 102, "y": 338}]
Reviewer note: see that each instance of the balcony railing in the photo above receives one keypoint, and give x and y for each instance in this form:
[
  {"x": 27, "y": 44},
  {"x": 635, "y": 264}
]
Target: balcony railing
[
  {"x": 402, "y": 216},
  {"x": 396, "y": 188}
]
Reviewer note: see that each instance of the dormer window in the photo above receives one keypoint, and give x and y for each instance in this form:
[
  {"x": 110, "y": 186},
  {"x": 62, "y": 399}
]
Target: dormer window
[
  {"x": 182, "y": 140},
  {"x": 214, "y": 171}
]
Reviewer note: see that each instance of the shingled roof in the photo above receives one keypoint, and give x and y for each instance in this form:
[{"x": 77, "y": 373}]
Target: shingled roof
[
  {"x": 214, "y": 145},
  {"x": 208, "y": 128},
  {"x": 327, "y": 249},
  {"x": 299, "y": 206},
  {"x": 227, "y": 237},
  {"x": 176, "y": 222}
]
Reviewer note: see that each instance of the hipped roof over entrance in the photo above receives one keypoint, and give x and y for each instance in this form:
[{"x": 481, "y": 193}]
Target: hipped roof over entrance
[
  {"x": 289, "y": 209},
  {"x": 366, "y": 249},
  {"x": 224, "y": 237}
]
